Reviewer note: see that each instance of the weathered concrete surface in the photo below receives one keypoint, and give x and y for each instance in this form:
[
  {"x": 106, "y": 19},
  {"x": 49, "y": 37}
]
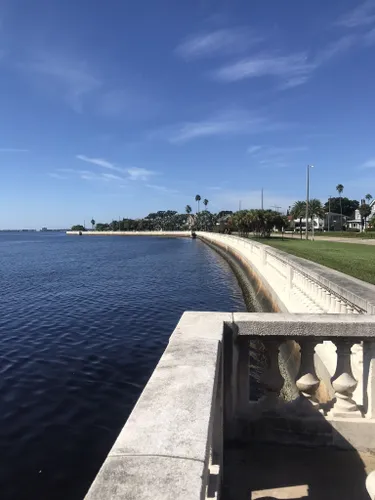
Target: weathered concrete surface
[
  {"x": 163, "y": 449},
  {"x": 302, "y": 325},
  {"x": 178, "y": 234}
]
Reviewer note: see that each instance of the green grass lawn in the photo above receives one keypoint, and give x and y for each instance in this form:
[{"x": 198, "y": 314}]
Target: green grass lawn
[{"x": 353, "y": 259}]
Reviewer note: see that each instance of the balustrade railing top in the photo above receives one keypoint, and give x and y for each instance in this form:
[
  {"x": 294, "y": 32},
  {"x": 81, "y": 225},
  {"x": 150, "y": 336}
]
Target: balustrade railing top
[{"x": 305, "y": 285}]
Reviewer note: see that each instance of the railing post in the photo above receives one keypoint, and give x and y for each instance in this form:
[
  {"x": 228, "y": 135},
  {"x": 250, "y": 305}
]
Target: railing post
[
  {"x": 343, "y": 382},
  {"x": 369, "y": 378},
  {"x": 272, "y": 380},
  {"x": 243, "y": 386},
  {"x": 307, "y": 382},
  {"x": 264, "y": 257},
  {"x": 289, "y": 278}
]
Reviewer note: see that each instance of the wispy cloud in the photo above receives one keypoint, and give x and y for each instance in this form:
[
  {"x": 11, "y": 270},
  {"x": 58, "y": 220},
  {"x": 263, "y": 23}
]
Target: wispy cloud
[
  {"x": 363, "y": 15},
  {"x": 71, "y": 77},
  {"x": 292, "y": 68},
  {"x": 97, "y": 161},
  {"x": 55, "y": 175},
  {"x": 275, "y": 157},
  {"x": 219, "y": 42},
  {"x": 162, "y": 189},
  {"x": 233, "y": 122},
  {"x": 139, "y": 174},
  {"x": 368, "y": 164},
  {"x": 131, "y": 173},
  {"x": 13, "y": 150}
]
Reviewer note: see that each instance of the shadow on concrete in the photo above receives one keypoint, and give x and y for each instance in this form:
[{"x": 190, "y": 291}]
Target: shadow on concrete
[{"x": 284, "y": 450}]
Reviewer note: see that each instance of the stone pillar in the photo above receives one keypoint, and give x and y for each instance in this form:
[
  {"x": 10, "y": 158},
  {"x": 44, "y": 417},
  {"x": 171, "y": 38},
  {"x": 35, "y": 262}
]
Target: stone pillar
[
  {"x": 369, "y": 379},
  {"x": 272, "y": 380},
  {"x": 343, "y": 382},
  {"x": 307, "y": 381},
  {"x": 243, "y": 386}
]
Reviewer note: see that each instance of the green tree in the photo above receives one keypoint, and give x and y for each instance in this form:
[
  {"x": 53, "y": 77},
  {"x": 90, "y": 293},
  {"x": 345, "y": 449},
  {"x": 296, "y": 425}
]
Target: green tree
[
  {"x": 92, "y": 224},
  {"x": 365, "y": 211},
  {"x": 78, "y": 227},
  {"x": 298, "y": 211},
  {"x": 188, "y": 209},
  {"x": 205, "y": 202},
  {"x": 340, "y": 190},
  {"x": 198, "y": 199},
  {"x": 368, "y": 198},
  {"x": 335, "y": 205}
]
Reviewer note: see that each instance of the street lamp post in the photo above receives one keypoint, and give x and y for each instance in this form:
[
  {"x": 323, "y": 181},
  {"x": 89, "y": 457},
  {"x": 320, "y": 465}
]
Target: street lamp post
[
  {"x": 329, "y": 214},
  {"x": 307, "y": 197}
]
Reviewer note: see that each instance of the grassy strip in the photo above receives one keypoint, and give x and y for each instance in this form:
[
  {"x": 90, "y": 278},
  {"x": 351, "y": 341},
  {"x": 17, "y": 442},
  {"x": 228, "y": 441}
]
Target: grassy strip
[{"x": 352, "y": 259}]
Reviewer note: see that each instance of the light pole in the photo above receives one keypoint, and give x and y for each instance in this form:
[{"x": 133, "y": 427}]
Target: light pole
[
  {"x": 329, "y": 213},
  {"x": 307, "y": 197}
]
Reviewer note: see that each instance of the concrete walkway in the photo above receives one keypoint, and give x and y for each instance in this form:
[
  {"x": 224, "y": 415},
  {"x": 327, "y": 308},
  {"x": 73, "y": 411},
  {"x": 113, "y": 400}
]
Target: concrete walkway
[
  {"x": 329, "y": 238},
  {"x": 271, "y": 472}
]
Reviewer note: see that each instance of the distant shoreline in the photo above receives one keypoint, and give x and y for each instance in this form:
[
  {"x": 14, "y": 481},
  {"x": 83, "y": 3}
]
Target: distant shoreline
[{"x": 180, "y": 234}]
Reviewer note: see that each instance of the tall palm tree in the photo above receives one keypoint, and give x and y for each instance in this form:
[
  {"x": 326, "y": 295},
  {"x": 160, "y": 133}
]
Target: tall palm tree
[
  {"x": 298, "y": 211},
  {"x": 205, "y": 203},
  {"x": 340, "y": 190},
  {"x": 188, "y": 209},
  {"x": 198, "y": 199},
  {"x": 92, "y": 223},
  {"x": 368, "y": 198},
  {"x": 315, "y": 209}
]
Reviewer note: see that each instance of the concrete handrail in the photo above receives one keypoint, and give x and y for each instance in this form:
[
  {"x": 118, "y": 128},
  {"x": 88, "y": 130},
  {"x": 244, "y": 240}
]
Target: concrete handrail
[
  {"x": 172, "y": 444},
  {"x": 355, "y": 294},
  {"x": 170, "y": 447}
]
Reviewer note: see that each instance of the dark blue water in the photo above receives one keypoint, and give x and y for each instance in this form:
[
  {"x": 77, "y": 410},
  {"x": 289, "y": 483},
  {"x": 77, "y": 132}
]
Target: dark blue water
[{"x": 83, "y": 322}]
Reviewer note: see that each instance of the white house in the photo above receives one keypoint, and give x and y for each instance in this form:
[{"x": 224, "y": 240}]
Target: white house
[{"x": 356, "y": 223}]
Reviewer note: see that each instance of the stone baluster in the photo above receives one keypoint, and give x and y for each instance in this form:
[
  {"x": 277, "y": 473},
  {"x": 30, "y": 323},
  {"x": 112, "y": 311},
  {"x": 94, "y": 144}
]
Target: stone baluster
[
  {"x": 307, "y": 381},
  {"x": 343, "y": 382},
  {"x": 272, "y": 380}
]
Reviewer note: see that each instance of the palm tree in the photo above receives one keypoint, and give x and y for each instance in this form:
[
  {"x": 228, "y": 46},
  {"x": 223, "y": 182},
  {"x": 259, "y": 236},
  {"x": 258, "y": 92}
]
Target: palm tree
[
  {"x": 188, "y": 209},
  {"x": 340, "y": 190},
  {"x": 298, "y": 211},
  {"x": 368, "y": 198},
  {"x": 315, "y": 209},
  {"x": 205, "y": 203},
  {"x": 92, "y": 223},
  {"x": 198, "y": 199}
]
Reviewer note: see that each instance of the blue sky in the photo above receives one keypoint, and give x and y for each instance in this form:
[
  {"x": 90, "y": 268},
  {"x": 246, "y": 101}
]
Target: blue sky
[{"x": 120, "y": 108}]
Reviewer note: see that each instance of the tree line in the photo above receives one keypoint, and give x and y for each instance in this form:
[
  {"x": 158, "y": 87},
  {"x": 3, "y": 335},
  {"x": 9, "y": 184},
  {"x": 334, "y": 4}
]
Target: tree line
[{"x": 260, "y": 222}]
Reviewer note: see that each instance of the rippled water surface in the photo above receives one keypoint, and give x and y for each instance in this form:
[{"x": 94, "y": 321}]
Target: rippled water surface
[{"x": 83, "y": 322}]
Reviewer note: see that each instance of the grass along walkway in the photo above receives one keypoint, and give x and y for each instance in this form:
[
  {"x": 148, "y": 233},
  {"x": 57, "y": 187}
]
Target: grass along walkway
[{"x": 353, "y": 259}]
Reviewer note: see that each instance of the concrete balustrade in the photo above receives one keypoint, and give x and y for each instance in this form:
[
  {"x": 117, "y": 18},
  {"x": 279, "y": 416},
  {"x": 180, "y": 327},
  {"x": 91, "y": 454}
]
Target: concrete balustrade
[{"x": 199, "y": 398}]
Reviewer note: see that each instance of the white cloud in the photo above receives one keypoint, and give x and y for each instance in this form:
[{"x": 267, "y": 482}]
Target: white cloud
[
  {"x": 113, "y": 177},
  {"x": 295, "y": 66},
  {"x": 139, "y": 174},
  {"x": 231, "y": 122},
  {"x": 55, "y": 175},
  {"x": 68, "y": 76},
  {"x": 363, "y": 15},
  {"x": 162, "y": 189},
  {"x": 98, "y": 161},
  {"x": 254, "y": 149},
  {"x": 223, "y": 41},
  {"x": 368, "y": 164},
  {"x": 133, "y": 173}
]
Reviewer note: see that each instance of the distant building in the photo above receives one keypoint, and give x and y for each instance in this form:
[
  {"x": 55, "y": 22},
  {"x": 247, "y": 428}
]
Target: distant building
[
  {"x": 331, "y": 221},
  {"x": 356, "y": 223}
]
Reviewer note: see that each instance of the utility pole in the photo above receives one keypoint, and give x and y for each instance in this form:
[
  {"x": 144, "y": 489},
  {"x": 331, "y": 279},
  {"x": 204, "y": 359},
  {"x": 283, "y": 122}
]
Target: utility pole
[
  {"x": 240, "y": 205},
  {"x": 277, "y": 208},
  {"x": 261, "y": 199},
  {"x": 329, "y": 214}
]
